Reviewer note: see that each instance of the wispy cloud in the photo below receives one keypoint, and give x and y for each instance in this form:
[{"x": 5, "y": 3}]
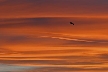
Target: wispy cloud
[
  {"x": 16, "y": 31},
  {"x": 35, "y": 35},
  {"x": 103, "y": 56},
  {"x": 4, "y": 51}
]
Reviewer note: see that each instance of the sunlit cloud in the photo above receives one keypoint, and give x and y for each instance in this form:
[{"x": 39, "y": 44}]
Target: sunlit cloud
[
  {"x": 4, "y": 51},
  {"x": 36, "y": 35},
  {"x": 56, "y": 30}
]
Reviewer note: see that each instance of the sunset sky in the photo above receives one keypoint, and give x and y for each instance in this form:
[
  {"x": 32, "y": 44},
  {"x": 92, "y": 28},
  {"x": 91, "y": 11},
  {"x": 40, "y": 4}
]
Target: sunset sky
[{"x": 35, "y": 35}]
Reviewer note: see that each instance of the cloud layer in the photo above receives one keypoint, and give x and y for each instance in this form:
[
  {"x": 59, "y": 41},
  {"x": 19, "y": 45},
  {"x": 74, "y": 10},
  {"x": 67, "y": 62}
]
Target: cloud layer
[
  {"x": 36, "y": 35},
  {"x": 45, "y": 8}
]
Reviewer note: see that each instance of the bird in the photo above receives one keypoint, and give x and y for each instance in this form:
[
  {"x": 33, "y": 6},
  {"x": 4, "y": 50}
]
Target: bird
[{"x": 71, "y": 23}]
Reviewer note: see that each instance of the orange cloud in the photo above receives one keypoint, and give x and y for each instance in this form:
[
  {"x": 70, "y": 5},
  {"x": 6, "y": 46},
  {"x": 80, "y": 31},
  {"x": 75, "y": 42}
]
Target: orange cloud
[
  {"x": 38, "y": 32},
  {"x": 33, "y": 33}
]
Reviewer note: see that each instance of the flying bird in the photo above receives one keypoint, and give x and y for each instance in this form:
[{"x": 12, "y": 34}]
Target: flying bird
[{"x": 71, "y": 23}]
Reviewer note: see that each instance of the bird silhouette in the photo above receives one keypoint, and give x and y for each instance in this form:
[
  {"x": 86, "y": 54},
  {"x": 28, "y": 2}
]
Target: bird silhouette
[{"x": 71, "y": 23}]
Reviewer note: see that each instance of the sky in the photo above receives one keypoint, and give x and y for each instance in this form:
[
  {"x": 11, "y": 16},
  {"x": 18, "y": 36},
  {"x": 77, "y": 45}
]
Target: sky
[{"x": 36, "y": 35}]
